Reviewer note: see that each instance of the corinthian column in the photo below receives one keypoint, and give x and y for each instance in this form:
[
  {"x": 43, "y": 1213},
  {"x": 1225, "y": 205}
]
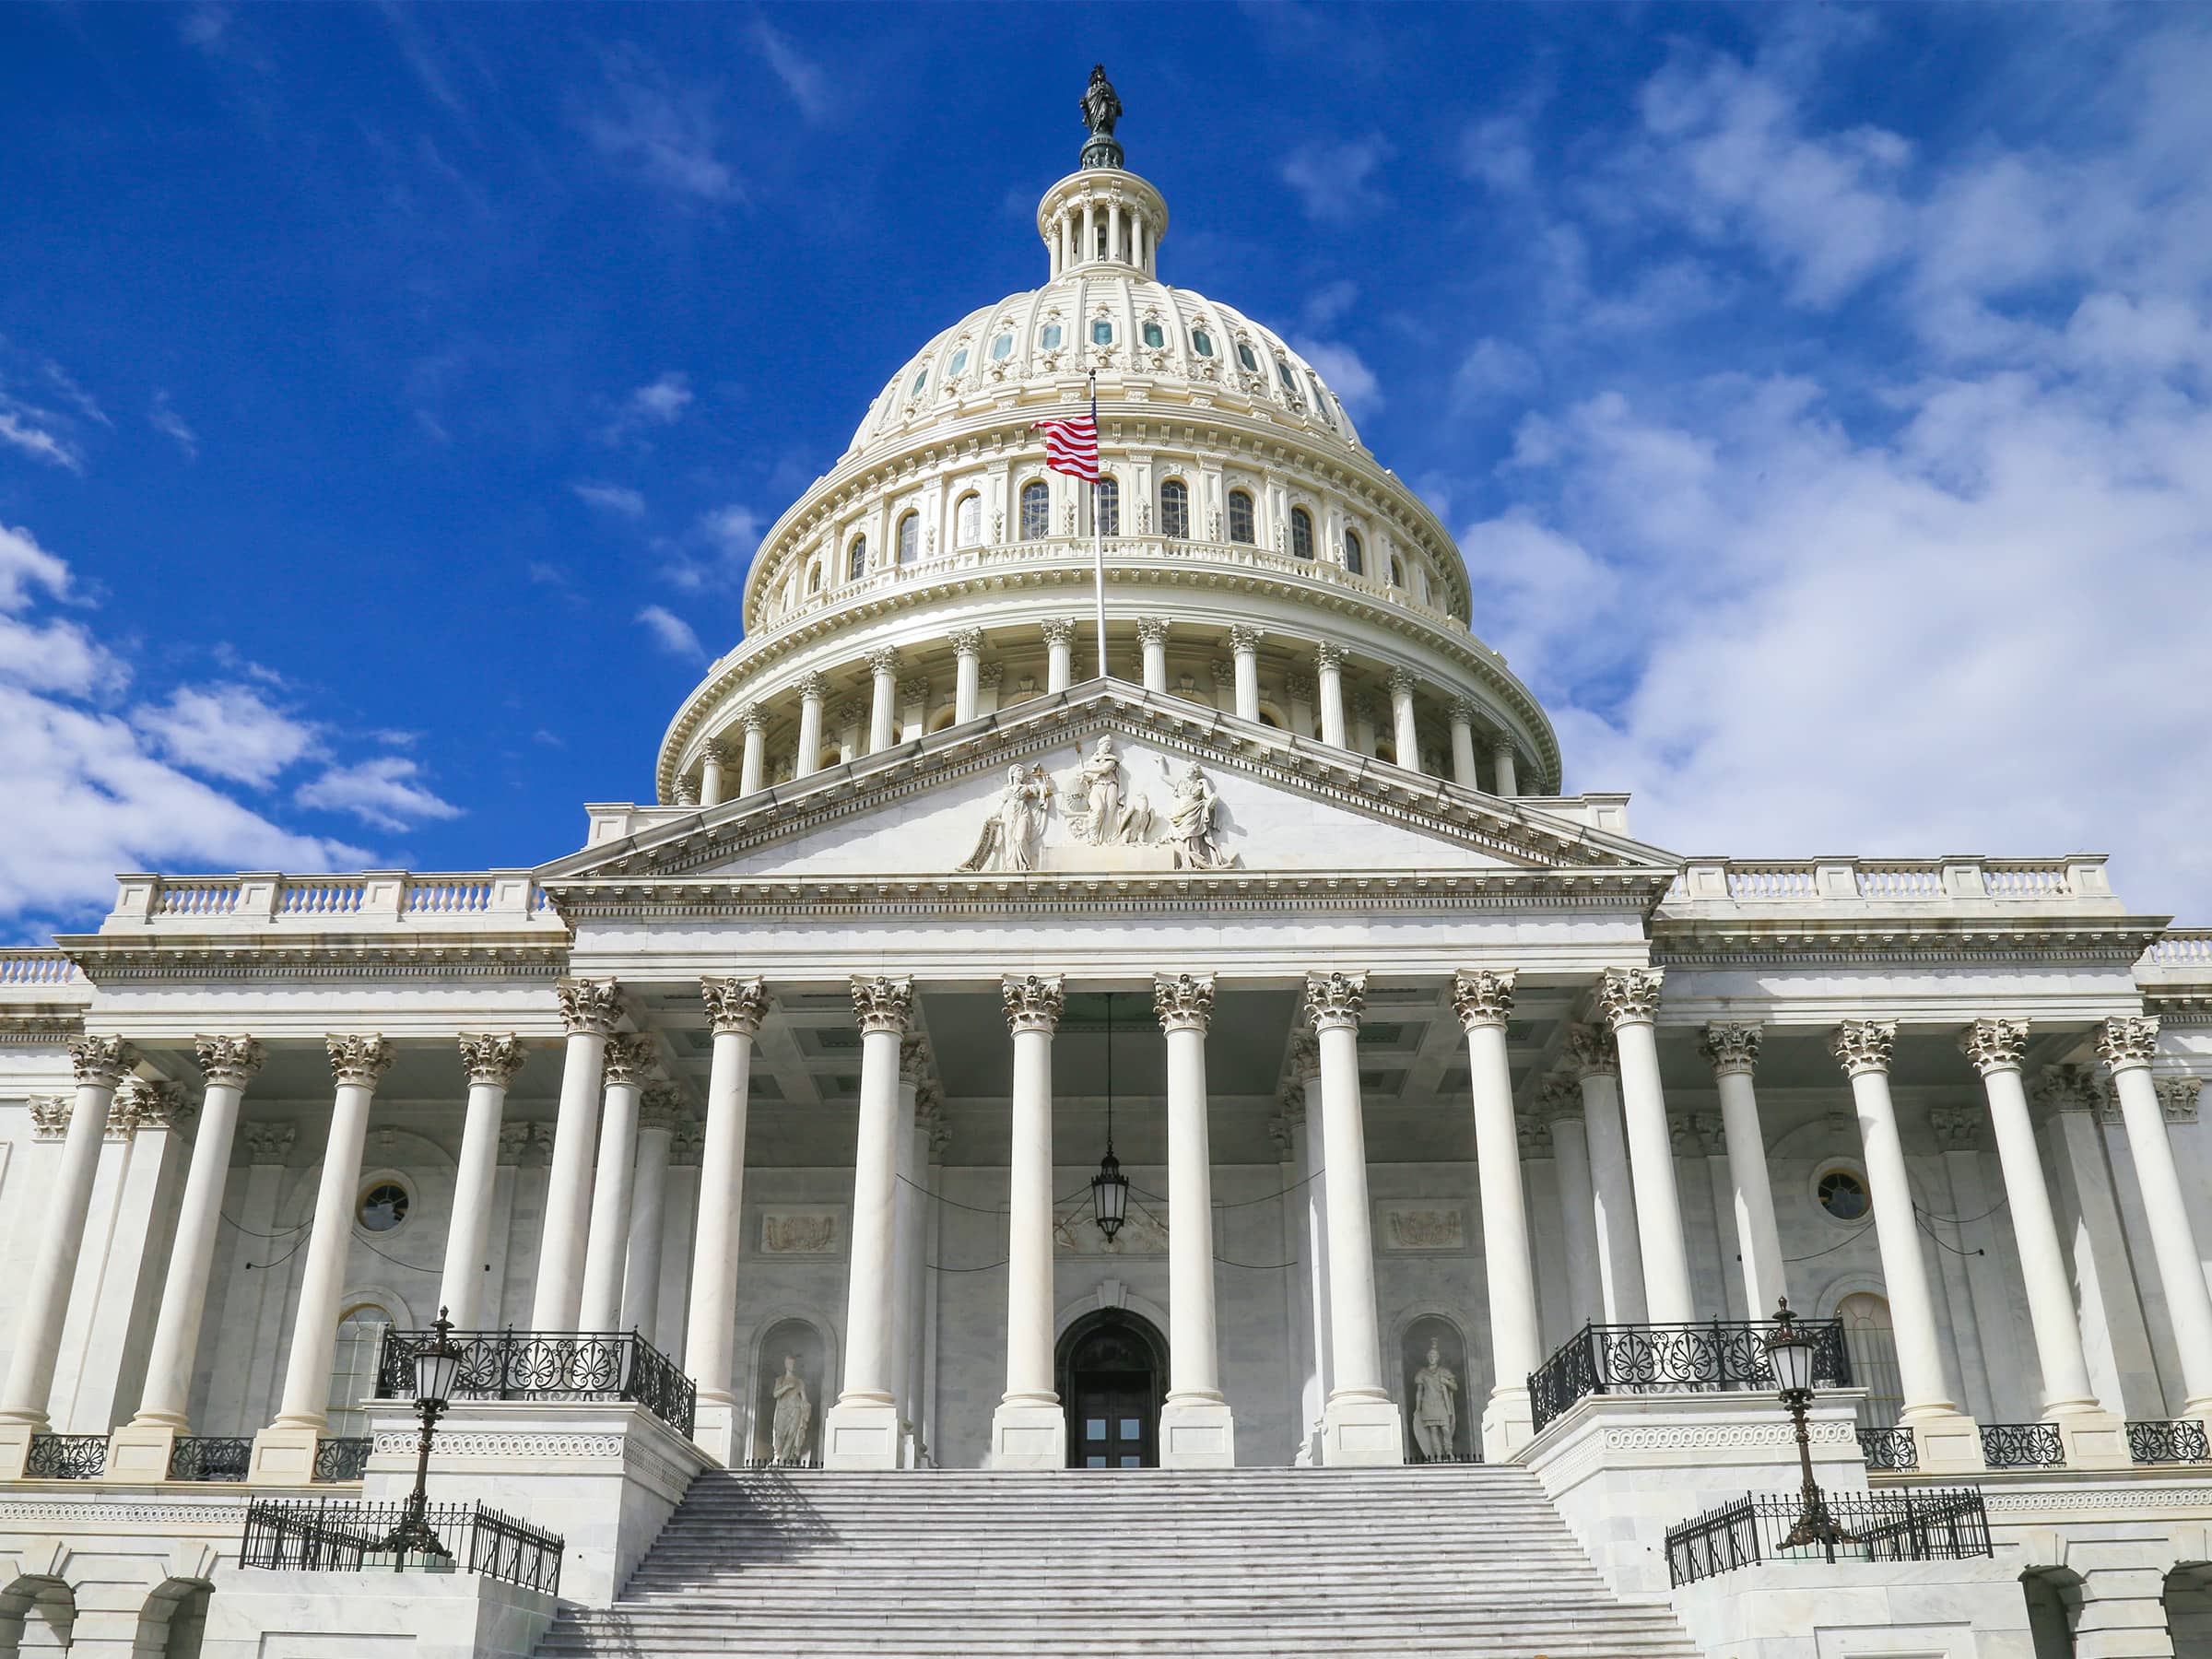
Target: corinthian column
[
  {"x": 1947, "y": 1440},
  {"x": 1484, "y": 1002},
  {"x": 883, "y": 700},
  {"x": 1360, "y": 1424},
  {"x": 284, "y": 1452},
  {"x": 1501, "y": 767},
  {"x": 589, "y": 1008},
  {"x": 1028, "y": 1430},
  {"x": 813, "y": 690},
  {"x": 1405, "y": 737},
  {"x": 1244, "y": 652},
  {"x": 629, "y": 1061},
  {"x": 966, "y": 673},
  {"x": 1328, "y": 673},
  {"x": 1630, "y": 1000},
  {"x": 710, "y": 759},
  {"x": 140, "y": 1451},
  {"x": 1152, "y": 641},
  {"x": 492, "y": 1063},
  {"x": 735, "y": 1009},
  {"x": 1463, "y": 742},
  {"x": 861, "y": 1431},
  {"x": 2125, "y": 1045},
  {"x": 1733, "y": 1051},
  {"x": 1596, "y": 1064},
  {"x": 1059, "y": 653},
  {"x": 752, "y": 765},
  {"x": 1196, "y": 1430}
]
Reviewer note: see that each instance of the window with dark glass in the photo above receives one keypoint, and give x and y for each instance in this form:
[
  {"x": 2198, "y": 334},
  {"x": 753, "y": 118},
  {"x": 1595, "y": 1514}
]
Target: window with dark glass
[
  {"x": 1101, "y": 332},
  {"x": 1175, "y": 509},
  {"x": 1240, "y": 516},
  {"x": 1397, "y": 573},
  {"x": 1001, "y": 346},
  {"x": 1282, "y": 372},
  {"x": 856, "y": 558},
  {"x": 921, "y": 381},
  {"x": 384, "y": 1207},
  {"x": 959, "y": 362},
  {"x": 1153, "y": 337},
  {"x": 1844, "y": 1196},
  {"x": 910, "y": 537},
  {"x": 1036, "y": 511},
  {"x": 1355, "y": 556},
  {"x": 1202, "y": 342},
  {"x": 1246, "y": 356},
  {"x": 1050, "y": 337},
  {"x": 968, "y": 520},
  {"x": 1302, "y": 532}
]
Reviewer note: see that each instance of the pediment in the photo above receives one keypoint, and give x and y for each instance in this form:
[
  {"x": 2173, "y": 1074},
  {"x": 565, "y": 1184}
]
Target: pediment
[{"x": 1114, "y": 781}]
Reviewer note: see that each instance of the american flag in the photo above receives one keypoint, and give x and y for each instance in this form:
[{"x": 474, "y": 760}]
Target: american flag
[{"x": 1071, "y": 445}]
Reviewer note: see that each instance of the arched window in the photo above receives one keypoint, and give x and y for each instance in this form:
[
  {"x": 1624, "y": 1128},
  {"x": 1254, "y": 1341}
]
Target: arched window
[
  {"x": 1036, "y": 511},
  {"x": 1355, "y": 556},
  {"x": 1240, "y": 516},
  {"x": 353, "y": 1368},
  {"x": 856, "y": 558},
  {"x": 1302, "y": 532},
  {"x": 1870, "y": 1346},
  {"x": 1397, "y": 571},
  {"x": 813, "y": 579},
  {"x": 1109, "y": 507},
  {"x": 910, "y": 537},
  {"x": 1175, "y": 509},
  {"x": 968, "y": 520}
]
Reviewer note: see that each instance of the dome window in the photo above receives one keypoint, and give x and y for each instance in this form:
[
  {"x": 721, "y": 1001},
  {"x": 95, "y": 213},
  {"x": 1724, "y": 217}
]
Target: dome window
[
  {"x": 856, "y": 558},
  {"x": 1202, "y": 342},
  {"x": 921, "y": 381},
  {"x": 959, "y": 362},
  {"x": 1154, "y": 338},
  {"x": 1109, "y": 507},
  {"x": 1049, "y": 338},
  {"x": 1175, "y": 509},
  {"x": 910, "y": 537},
  {"x": 1302, "y": 532},
  {"x": 1240, "y": 517},
  {"x": 1036, "y": 511},
  {"x": 814, "y": 579},
  {"x": 1355, "y": 556},
  {"x": 1101, "y": 332},
  {"x": 1397, "y": 573},
  {"x": 1246, "y": 356},
  {"x": 968, "y": 520},
  {"x": 1282, "y": 371},
  {"x": 1001, "y": 348}
]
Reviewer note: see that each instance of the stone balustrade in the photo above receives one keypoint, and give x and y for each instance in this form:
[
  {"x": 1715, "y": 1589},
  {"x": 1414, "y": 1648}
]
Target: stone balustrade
[
  {"x": 487, "y": 899},
  {"x": 1965, "y": 883}
]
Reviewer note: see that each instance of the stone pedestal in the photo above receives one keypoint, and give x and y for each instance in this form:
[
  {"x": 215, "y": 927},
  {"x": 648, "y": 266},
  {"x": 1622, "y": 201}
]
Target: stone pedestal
[
  {"x": 284, "y": 1456},
  {"x": 1198, "y": 1434},
  {"x": 255, "y": 1614},
  {"x": 1508, "y": 1423},
  {"x": 1027, "y": 1436},
  {"x": 15, "y": 1449},
  {"x": 717, "y": 1427},
  {"x": 1949, "y": 1441},
  {"x": 1969, "y": 1609},
  {"x": 1361, "y": 1433},
  {"x": 2094, "y": 1440},
  {"x": 861, "y": 1434},
  {"x": 139, "y": 1453}
]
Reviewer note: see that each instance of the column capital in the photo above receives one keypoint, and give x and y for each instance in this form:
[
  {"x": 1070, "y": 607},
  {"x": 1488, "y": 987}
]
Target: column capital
[
  {"x": 1151, "y": 630},
  {"x": 1403, "y": 682},
  {"x": 663, "y": 1106},
  {"x": 1483, "y": 997},
  {"x": 631, "y": 1057},
  {"x": 815, "y": 686},
  {"x": 1305, "y": 1056},
  {"x": 914, "y": 689},
  {"x": 268, "y": 1143},
  {"x": 1559, "y": 1096},
  {"x": 1533, "y": 1133},
  {"x": 988, "y": 675},
  {"x": 1731, "y": 1050},
  {"x": 734, "y": 1007},
  {"x": 1995, "y": 1045},
  {"x": 514, "y": 1140},
  {"x": 2068, "y": 1089},
  {"x": 1463, "y": 710},
  {"x": 712, "y": 750},
  {"x": 229, "y": 1060},
  {"x": 1631, "y": 995},
  {"x": 883, "y": 661},
  {"x": 359, "y": 1058},
  {"x": 1864, "y": 1045},
  {"x": 492, "y": 1059},
  {"x": 50, "y": 1115},
  {"x": 1334, "y": 1001},
  {"x": 929, "y": 1118},
  {"x": 966, "y": 642},
  {"x": 1033, "y": 1004},
  {"x": 2127, "y": 1040},
  {"x": 753, "y": 717},
  {"x": 913, "y": 1057},
  {"x": 1289, "y": 1113},
  {"x": 1184, "y": 1002},
  {"x": 102, "y": 1061},
  {"x": 1957, "y": 1128},
  {"x": 1057, "y": 630},
  {"x": 1328, "y": 656},
  {"x": 589, "y": 1007},
  {"x": 1591, "y": 1051},
  {"x": 2177, "y": 1098},
  {"x": 147, "y": 1103},
  {"x": 882, "y": 1005},
  {"x": 1502, "y": 743},
  {"x": 1245, "y": 637}
]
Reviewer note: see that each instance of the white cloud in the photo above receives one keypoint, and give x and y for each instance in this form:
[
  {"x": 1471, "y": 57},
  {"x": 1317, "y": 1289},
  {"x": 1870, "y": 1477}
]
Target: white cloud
[
  {"x": 670, "y": 632},
  {"x": 1335, "y": 180},
  {"x": 169, "y": 424},
  {"x": 665, "y": 134},
  {"x": 803, "y": 78},
  {"x": 226, "y": 731},
  {"x": 1345, "y": 373},
  {"x": 659, "y": 402},
  {"x": 384, "y": 791},
  {"x": 610, "y": 498},
  {"x": 1494, "y": 371},
  {"x": 20, "y": 425},
  {"x": 1330, "y": 301},
  {"x": 203, "y": 25}
]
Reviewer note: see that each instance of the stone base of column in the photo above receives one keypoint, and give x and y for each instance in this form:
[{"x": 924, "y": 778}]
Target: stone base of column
[
  {"x": 283, "y": 1456},
  {"x": 1198, "y": 1434},
  {"x": 861, "y": 1434},
  {"x": 2094, "y": 1439},
  {"x": 1361, "y": 1431},
  {"x": 139, "y": 1452},
  {"x": 715, "y": 1428},
  {"x": 1308, "y": 1455},
  {"x": 1508, "y": 1423},
  {"x": 15, "y": 1448},
  {"x": 1027, "y": 1434},
  {"x": 1949, "y": 1443}
]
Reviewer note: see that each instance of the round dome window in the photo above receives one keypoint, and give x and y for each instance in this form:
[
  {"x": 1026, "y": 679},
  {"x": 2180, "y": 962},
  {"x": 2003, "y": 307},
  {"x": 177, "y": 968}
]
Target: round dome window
[
  {"x": 1844, "y": 1196},
  {"x": 384, "y": 1207}
]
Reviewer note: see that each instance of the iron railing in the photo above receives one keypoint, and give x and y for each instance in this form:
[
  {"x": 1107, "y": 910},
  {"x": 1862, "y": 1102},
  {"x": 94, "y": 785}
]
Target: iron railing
[
  {"x": 2023, "y": 1446},
  {"x": 323, "y": 1534},
  {"x": 66, "y": 1457},
  {"x": 1717, "y": 1356},
  {"x": 209, "y": 1457},
  {"x": 549, "y": 1365},
  {"x": 1944, "y": 1525},
  {"x": 2176, "y": 1442},
  {"x": 341, "y": 1457},
  {"x": 1888, "y": 1450}
]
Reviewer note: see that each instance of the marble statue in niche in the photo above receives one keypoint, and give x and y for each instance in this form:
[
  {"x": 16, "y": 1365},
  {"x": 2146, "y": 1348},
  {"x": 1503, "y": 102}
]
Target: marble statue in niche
[
  {"x": 794, "y": 1415},
  {"x": 1435, "y": 1407},
  {"x": 1014, "y": 831}
]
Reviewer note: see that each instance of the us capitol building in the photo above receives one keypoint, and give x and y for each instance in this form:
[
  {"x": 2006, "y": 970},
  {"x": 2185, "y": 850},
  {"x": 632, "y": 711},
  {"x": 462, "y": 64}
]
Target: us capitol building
[{"x": 1234, "y": 1059}]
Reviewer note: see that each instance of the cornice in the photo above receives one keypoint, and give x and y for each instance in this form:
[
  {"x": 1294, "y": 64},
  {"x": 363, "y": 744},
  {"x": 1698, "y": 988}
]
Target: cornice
[
  {"x": 40, "y": 1031},
  {"x": 1923, "y": 941},
  {"x": 112, "y": 960}
]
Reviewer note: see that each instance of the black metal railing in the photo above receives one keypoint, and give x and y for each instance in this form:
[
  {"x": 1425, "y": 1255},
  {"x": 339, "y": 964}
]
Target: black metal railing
[
  {"x": 1943, "y": 1525},
  {"x": 209, "y": 1457},
  {"x": 341, "y": 1457},
  {"x": 66, "y": 1457},
  {"x": 2023, "y": 1446},
  {"x": 1717, "y": 1356},
  {"x": 2180, "y": 1441},
  {"x": 1889, "y": 1449},
  {"x": 323, "y": 1534},
  {"x": 549, "y": 1365}
]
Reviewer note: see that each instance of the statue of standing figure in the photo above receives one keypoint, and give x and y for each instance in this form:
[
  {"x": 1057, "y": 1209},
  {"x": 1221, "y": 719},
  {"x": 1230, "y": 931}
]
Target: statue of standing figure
[
  {"x": 1191, "y": 824},
  {"x": 1435, "y": 1407},
  {"x": 1014, "y": 831},
  {"x": 1098, "y": 810},
  {"x": 794, "y": 1415}
]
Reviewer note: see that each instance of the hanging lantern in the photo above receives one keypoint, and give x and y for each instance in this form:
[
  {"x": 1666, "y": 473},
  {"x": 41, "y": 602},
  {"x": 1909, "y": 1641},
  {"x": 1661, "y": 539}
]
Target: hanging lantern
[{"x": 1110, "y": 1195}]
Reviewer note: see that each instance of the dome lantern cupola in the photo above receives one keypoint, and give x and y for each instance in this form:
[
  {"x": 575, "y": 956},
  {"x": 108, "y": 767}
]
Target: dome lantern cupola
[{"x": 1101, "y": 214}]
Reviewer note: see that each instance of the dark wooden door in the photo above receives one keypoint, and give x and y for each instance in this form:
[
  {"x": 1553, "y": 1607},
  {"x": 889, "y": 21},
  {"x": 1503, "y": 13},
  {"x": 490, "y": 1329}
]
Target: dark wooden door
[{"x": 1113, "y": 1399}]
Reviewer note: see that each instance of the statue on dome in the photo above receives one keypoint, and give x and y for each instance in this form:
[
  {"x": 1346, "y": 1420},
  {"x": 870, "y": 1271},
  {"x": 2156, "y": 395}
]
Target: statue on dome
[
  {"x": 1191, "y": 833},
  {"x": 1101, "y": 110},
  {"x": 1014, "y": 830},
  {"x": 794, "y": 1415}
]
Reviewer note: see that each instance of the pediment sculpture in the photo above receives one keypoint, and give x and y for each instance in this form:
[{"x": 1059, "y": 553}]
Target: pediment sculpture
[{"x": 1093, "y": 805}]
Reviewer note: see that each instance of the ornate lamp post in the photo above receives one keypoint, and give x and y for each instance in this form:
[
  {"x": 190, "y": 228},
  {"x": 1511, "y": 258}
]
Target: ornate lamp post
[
  {"x": 1110, "y": 1187},
  {"x": 1790, "y": 1352},
  {"x": 437, "y": 1365}
]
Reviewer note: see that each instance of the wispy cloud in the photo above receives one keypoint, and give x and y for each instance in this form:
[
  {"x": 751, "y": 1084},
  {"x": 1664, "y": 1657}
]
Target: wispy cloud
[
  {"x": 165, "y": 420},
  {"x": 804, "y": 79},
  {"x": 1345, "y": 373},
  {"x": 1336, "y": 181},
  {"x": 386, "y": 790},
  {"x": 670, "y": 632},
  {"x": 616, "y": 498},
  {"x": 666, "y": 135},
  {"x": 204, "y": 27},
  {"x": 660, "y": 401},
  {"x": 227, "y": 731}
]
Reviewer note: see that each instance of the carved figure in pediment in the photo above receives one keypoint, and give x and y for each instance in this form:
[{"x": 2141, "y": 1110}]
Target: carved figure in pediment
[
  {"x": 1015, "y": 831},
  {"x": 794, "y": 1415},
  {"x": 1191, "y": 824},
  {"x": 1097, "y": 809}
]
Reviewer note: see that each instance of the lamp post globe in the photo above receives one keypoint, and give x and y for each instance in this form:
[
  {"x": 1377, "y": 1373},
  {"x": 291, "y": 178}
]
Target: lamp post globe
[
  {"x": 1790, "y": 1354},
  {"x": 437, "y": 1368}
]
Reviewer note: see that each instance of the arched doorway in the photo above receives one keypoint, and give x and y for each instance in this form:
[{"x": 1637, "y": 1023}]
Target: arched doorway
[
  {"x": 1113, "y": 1371},
  {"x": 1870, "y": 1345}
]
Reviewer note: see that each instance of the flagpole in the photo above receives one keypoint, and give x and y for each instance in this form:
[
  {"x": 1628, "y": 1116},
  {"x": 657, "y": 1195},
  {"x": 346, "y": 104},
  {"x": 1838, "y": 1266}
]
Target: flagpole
[{"x": 1098, "y": 538}]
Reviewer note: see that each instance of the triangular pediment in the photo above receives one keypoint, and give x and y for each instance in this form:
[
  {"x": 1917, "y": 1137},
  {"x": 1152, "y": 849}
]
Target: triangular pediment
[{"x": 1111, "y": 781}]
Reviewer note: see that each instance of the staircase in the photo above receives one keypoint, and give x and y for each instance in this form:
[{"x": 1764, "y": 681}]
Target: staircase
[{"x": 1463, "y": 1559}]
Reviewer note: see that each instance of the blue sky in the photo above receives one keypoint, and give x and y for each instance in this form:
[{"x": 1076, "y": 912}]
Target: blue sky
[{"x": 391, "y": 399}]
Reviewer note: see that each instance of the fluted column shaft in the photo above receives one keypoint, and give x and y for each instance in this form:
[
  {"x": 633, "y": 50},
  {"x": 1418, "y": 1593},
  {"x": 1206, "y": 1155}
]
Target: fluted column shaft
[
  {"x": 905, "y": 1211},
  {"x": 1406, "y": 737},
  {"x": 1152, "y": 640},
  {"x": 1630, "y": 999},
  {"x": 1029, "y": 1196},
  {"x": 883, "y": 1006},
  {"x": 1194, "y": 1424},
  {"x": 1502, "y": 767},
  {"x": 606, "y": 1247},
  {"x": 1484, "y": 1002},
  {"x": 1328, "y": 678},
  {"x": 2125, "y": 1045},
  {"x": 1578, "y": 1207},
  {"x": 1244, "y": 653},
  {"x": 1462, "y": 746},
  {"x": 967, "y": 674},
  {"x": 1732, "y": 1050},
  {"x": 102, "y": 1064},
  {"x": 735, "y": 1009},
  {"x": 1059, "y": 655},
  {"x": 710, "y": 775},
  {"x": 492, "y": 1063},
  {"x": 657, "y": 1119},
  {"x": 883, "y": 702},
  {"x": 752, "y": 769},
  {"x": 589, "y": 1007},
  {"x": 813, "y": 691}
]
